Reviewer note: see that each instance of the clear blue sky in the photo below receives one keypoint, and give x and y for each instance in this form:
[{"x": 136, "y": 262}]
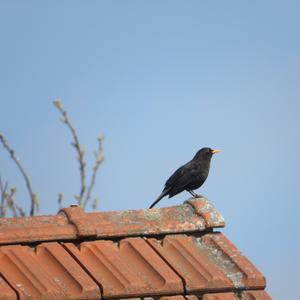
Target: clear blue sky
[{"x": 161, "y": 79}]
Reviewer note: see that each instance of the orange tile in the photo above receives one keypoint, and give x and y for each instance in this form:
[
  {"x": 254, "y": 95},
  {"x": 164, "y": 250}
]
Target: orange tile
[
  {"x": 172, "y": 298},
  {"x": 197, "y": 214},
  {"x": 66, "y": 272},
  {"x": 49, "y": 272},
  {"x": 21, "y": 270},
  {"x": 192, "y": 264},
  {"x": 72, "y": 223},
  {"x": 128, "y": 269},
  {"x": 182, "y": 218},
  {"x": 220, "y": 296},
  {"x": 238, "y": 268},
  {"x": 256, "y": 295},
  {"x": 6, "y": 292},
  {"x": 35, "y": 229},
  {"x": 172, "y": 254},
  {"x": 206, "y": 210},
  {"x": 179, "y": 297}
]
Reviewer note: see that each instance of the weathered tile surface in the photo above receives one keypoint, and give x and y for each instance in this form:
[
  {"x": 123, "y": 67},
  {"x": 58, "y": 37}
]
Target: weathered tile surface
[
  {"x": 130, "y": 268},
  {"x": 198, "y": 272},
  {"x": 167, "y": 253}
]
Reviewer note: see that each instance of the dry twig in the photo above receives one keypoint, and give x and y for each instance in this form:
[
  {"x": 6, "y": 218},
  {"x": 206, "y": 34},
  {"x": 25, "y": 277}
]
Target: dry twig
[
  {"x": 11, "y": 203},
  {"x": 77, "y": 146},
  {"x": 95, "y": 204},
  {"x": 99, "y": 156},
  {"x": 33, "y": 196},
  {"x": 60, "y": 200},
  {"x": 3, "y": 189},
  {"x": 8, "y": 201}
]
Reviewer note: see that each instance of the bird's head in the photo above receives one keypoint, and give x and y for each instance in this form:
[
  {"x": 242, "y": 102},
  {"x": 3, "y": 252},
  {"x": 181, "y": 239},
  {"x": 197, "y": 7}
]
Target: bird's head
[{"x": 206, "y": 153}]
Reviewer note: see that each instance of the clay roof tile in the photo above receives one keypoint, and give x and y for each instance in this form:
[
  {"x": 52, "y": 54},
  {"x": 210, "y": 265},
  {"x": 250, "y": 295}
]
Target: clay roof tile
[{"x": 170, "y": 253}]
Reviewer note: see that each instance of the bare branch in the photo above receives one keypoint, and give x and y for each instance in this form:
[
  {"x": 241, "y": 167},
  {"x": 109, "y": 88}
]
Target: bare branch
[
  {"x": 95, "y": 204},
  {"x": 77, "y": 146},
  {"x": 36, "y": 201},
  {"x": 33, "y": 197},
  {"x": 99, "y": 156},
  {"x": 11, "y": 203},
  {"x": 3, "y": 189},
  {"x": 8, "y": 201},
  {"x": 20, "y": 211},
  {"x": 60, "y": 200}
]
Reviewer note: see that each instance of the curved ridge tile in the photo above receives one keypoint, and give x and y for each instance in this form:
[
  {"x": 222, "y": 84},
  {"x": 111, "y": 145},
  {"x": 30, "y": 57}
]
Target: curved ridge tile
[
  {"x": 34, "y": 229},
  {"x": 207, "y": 211},
  {"x": 73, "y": 223}
]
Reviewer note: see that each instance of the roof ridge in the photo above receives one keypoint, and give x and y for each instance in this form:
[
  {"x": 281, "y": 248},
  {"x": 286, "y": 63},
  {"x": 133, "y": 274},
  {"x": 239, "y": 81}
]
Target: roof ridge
[
  {"x": 207, "y": 211},
  {"x": 73, "y": 223}
]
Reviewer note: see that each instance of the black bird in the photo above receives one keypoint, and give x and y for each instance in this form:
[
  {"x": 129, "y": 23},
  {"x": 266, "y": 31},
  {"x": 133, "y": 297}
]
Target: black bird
[{"x": 189, "y": 176}]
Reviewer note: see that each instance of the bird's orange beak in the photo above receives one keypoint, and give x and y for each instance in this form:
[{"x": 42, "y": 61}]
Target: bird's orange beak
[{"x": 216, "y": 151}]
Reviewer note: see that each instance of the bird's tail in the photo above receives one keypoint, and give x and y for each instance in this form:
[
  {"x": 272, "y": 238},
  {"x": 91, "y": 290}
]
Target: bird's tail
[{"x": 163, "y": 193}]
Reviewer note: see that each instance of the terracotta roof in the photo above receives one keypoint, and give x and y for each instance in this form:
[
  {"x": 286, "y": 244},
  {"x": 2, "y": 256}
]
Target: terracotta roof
[{"x": 168, "y": 253}]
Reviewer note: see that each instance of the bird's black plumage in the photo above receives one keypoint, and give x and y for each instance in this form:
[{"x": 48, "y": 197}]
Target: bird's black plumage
[{"x": 189, "y": 176}]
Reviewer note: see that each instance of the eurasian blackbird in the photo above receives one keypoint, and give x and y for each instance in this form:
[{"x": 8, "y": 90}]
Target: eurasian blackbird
[{"x": 189, "y": 176}]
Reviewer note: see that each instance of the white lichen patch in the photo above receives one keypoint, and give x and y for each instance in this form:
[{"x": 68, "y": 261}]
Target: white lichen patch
[
  {"x": 217, "y": 218},
  {"x": 236, "y": 279},
  {"x": 223, "y": 262},
  {"x": 152, "y": 214}
]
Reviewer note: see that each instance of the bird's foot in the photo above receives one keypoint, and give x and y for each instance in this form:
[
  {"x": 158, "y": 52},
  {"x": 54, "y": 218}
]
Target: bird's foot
[
  {"x": 195, "y": 195},
  {"x": 198, "y": 196}
]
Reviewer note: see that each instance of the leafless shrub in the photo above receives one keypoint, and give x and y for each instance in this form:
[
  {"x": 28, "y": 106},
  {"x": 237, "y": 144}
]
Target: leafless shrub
[{"x": 8, "y": 202}]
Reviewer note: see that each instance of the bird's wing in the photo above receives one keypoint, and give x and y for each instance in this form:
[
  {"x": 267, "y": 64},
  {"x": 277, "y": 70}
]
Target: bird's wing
[
  {"x": 176, "y": 175},
  {"x": 187, "y": 175},
  {"x": 183, "y": 175}
]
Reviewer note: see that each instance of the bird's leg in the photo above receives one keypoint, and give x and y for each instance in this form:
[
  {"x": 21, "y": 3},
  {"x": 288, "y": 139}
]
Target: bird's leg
[{"x": 194, "y": 194}]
